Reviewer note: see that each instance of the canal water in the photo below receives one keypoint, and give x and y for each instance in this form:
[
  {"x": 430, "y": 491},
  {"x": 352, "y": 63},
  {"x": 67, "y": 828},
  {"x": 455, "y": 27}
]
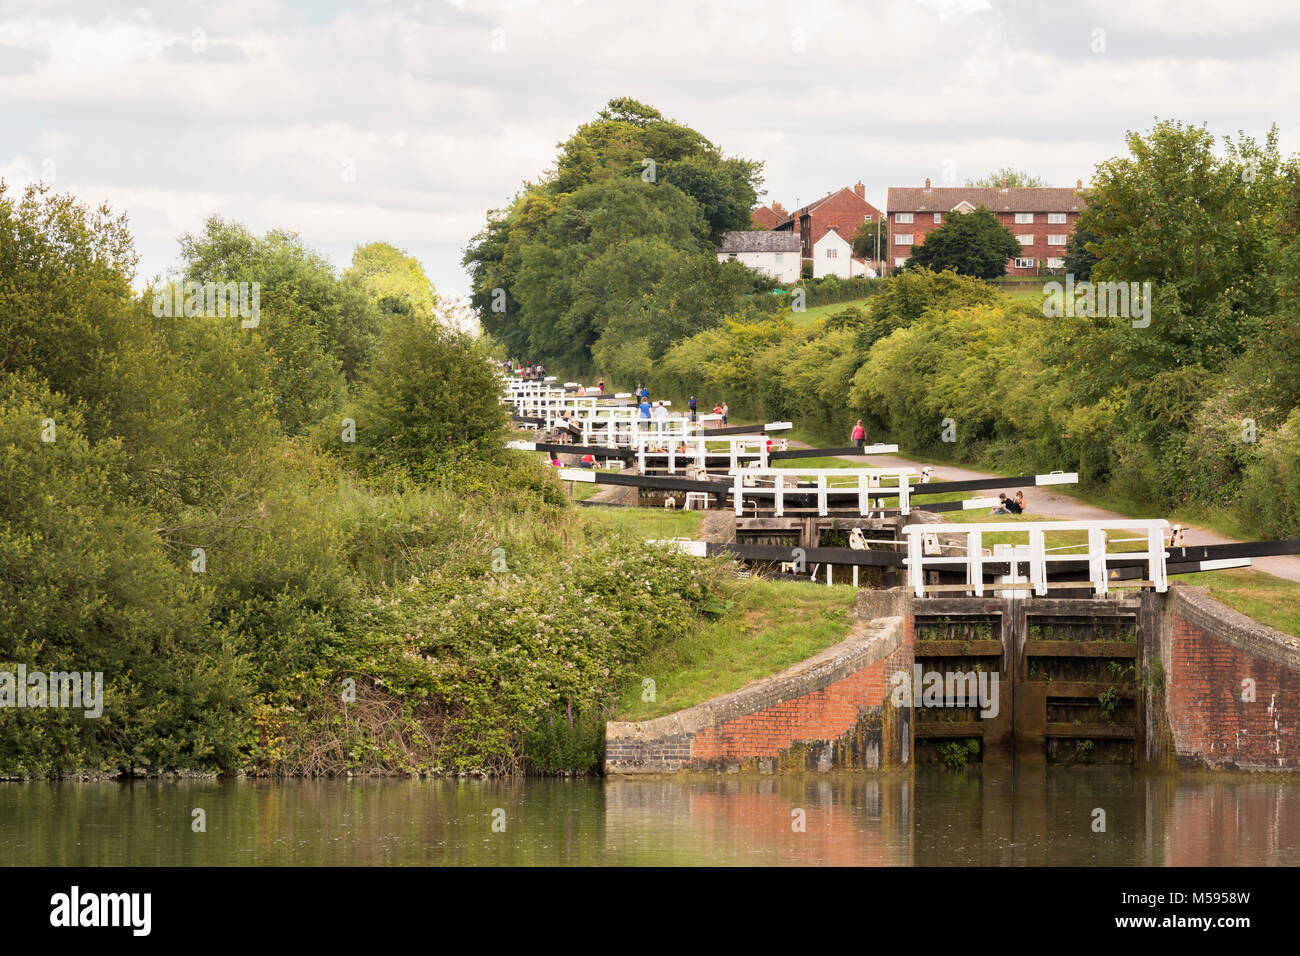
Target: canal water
[{"x": 984, "y": 816}]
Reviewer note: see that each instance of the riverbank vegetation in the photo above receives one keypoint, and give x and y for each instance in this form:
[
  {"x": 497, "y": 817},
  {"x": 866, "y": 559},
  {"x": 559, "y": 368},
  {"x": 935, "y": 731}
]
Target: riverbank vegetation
[{"x": 292, "y": 543}]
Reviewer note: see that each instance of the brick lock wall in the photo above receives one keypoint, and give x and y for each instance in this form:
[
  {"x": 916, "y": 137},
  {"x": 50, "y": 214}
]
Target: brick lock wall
[
  {"x": 828, "y": 717},
  {"x": 823, "y": 715},
  {"x": 1210, "y": 656}
]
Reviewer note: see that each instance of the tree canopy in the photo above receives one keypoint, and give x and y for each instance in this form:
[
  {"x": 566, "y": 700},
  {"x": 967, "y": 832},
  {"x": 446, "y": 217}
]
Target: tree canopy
[
  {"x": 971, "y": 244},
  {"x": 630, "y": 195}
]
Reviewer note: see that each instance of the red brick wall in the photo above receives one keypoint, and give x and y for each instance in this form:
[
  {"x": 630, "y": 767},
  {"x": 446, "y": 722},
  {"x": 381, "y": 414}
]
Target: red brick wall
[
  {"x": 824, "y": 714},
  {"x": 1210, "y": 722},
  {"x": 1039, "y": 251}
]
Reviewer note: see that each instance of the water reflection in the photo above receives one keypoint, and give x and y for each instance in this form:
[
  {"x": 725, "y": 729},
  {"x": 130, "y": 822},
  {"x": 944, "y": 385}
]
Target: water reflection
[{"x": 1025, "y": 816}]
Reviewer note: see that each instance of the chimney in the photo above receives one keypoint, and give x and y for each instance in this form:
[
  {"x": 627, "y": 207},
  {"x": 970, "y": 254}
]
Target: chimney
[
  {"x": 861, "y": 190},
  {"x": 927, "y": 183},
  {"x": 1078, "y": 184},
  {"x": 1004, "y": 185},
  {"x": 779, "y": 210}
]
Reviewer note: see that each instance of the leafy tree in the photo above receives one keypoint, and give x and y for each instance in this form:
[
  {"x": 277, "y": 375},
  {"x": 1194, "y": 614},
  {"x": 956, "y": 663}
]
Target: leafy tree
[
  {"x": 1079, "y": 259},
  {"x": 606, "y": 248},
  {"x": 872, "y": 237},
  {"x": 1202, "y": 228},
  {"x": 1009, "y": 177},
  {"x": 431, "y": 393},
  {"x": 393, "y": 279},
  {"x": 973, "y": 244},
  {"x": 341, "y": 315},
  {"x": 910, "y": 294},
  {"x": 554, "y": 228}
]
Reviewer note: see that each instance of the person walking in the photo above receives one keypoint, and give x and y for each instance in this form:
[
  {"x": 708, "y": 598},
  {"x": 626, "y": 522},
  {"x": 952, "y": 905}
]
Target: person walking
[
  {"x": 859, "y": 435},
  {"x": 724, "y": 413},
  {"x": 661, "y": 417},
  {"x": 692, "y": 403}
]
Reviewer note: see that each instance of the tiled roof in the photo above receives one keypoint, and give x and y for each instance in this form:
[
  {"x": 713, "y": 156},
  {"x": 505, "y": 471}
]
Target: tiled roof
[
  {"x": 1012, "y": 199},
  {"x": 759, "y": 240}
]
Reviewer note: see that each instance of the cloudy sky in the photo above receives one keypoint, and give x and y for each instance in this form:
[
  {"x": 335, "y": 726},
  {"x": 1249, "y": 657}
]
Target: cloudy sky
[{"x": 351, "y": 121}]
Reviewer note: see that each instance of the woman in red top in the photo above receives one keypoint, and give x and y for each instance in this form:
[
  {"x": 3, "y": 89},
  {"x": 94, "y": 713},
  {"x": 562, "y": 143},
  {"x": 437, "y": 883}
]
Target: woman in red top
[{"x": 859, "y": 434}]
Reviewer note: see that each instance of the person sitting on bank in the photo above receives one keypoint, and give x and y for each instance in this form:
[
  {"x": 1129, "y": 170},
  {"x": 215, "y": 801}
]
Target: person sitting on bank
[
  {"x": 1020, "y": 500},
  {"x": 588, "y": 461},
  {"x": 1001, "y": 507}
]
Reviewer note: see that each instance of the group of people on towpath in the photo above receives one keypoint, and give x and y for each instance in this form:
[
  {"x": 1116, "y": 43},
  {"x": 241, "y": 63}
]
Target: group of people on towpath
[
  {"x": 526, "y": 369},
  {"x": 659, "y": 410}
]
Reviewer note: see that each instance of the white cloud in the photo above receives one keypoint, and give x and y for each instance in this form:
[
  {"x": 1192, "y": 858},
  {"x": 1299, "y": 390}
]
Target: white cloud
[{"x": 441, "y": 128}]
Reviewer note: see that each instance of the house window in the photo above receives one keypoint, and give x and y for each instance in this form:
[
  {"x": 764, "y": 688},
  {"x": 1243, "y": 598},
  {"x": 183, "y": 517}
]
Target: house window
[
  {"x": 731, "y": 255},
  {"x": 1024, "y": 263},
  {"x": 1022, "y": 217},
  {"x": 1025, "y": 240},
  {"x": 898, "y": 262},
  {"x": 1056, "y": 263},
  {"x": 902, "y": 238},
  {"x": 938, "y": 217},
  {"x": 1056, "y": 240},
  {"x": 902, "y": 217},
  {"x": 832, "y": 253},
  {"x": 1056, "y": 218}
]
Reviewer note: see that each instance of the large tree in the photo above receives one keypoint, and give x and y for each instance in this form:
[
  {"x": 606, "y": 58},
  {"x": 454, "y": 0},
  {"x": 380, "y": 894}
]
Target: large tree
[
  {"x": 1202, "y": 226},
  {"x": 972, "y": 244},
  {"x": 628, "y": 174}
]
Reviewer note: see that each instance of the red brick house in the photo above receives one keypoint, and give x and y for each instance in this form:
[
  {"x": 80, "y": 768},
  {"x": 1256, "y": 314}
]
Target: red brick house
[
  {"x": 768, "y": 217},
  {"x": 843, "y": 210},
  {"x": 1040, "y": 217}
]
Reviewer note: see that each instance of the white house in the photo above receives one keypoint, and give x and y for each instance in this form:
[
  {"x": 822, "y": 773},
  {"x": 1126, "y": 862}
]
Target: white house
[
  {"x": 833, "y": 256},
  {"x": 776, "y": 253}
]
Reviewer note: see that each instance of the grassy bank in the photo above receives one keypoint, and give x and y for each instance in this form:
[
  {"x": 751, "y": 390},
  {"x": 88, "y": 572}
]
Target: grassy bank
[{"x": 771, "y": 625}]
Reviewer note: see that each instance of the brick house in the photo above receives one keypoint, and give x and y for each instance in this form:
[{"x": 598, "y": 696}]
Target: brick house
[
  {"x": 843, "y": 210},
  {"x": 1040, "y": 217},
  {"x": 768, "y": 217}
]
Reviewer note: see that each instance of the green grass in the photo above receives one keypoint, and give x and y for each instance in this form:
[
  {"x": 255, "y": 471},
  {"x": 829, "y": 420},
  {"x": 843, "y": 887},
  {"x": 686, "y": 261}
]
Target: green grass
[
  {"x": 819, "y": 312},
  {"x": 646, "y": 523},
  {"x": 1269, "y": 600},
  {"x": 771, "y": 625}
]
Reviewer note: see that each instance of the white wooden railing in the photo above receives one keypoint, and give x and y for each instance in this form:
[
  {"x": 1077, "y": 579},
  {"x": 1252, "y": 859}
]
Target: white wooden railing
[{"x": 1038, "y": 557}]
